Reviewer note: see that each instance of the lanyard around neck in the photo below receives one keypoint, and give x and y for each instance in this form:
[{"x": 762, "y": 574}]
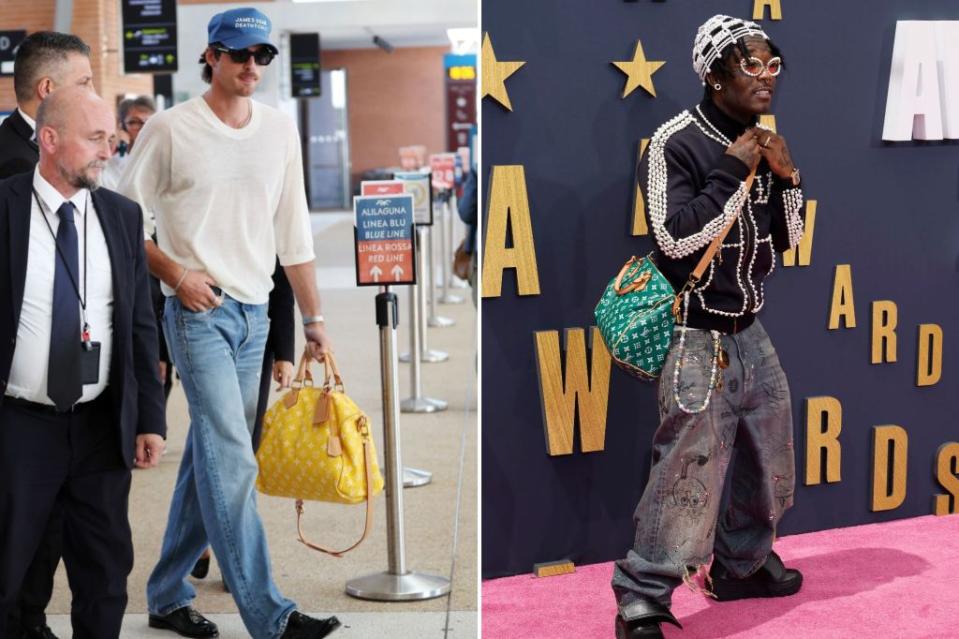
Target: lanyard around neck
[{"x": 73, "y": 280}]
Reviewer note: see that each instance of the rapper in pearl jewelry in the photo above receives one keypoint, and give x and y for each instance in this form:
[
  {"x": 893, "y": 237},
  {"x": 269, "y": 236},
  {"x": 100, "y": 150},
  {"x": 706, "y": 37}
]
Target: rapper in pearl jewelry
[{"x": 722, "y": 198}]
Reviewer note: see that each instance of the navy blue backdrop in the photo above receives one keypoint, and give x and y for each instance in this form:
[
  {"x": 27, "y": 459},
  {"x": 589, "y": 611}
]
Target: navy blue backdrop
[{"x": 888, "y": 210}]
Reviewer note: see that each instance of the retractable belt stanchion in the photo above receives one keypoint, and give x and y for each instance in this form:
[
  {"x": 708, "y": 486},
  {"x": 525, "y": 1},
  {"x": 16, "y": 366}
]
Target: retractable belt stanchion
[
  {"x": 433, "y": 319},
  {"x": 415, "y": 477},
  {"x": 449, "y": 280},
  {"x": 417, "y": 403},
  {"x": 414, "y": 323},
  {"x": 375, "y": 257},
  {"x": 398, "y": 583},
  {"x": 446, "y": 252},
  {"x": 427, "y": 288}
]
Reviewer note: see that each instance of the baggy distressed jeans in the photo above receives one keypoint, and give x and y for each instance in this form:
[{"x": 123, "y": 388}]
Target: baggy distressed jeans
[
  {"x": 678, "y": 520},
  {"x": 219, "y": 355}
]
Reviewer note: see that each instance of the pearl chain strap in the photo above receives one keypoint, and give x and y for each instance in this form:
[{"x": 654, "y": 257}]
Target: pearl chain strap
[{"x": 679, "y": 364}]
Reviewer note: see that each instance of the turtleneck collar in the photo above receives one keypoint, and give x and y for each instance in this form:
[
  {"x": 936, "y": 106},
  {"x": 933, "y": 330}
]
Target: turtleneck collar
[{"x": 729, "y": 127}]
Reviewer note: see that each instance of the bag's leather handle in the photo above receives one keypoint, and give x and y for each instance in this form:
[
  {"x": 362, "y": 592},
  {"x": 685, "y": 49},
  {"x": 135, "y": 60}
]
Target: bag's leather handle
[
  {"x": 304, "y": 377},
  {"x": 329, "y": 364},
  {"x": 367, "y": 528},
  {"x": 303, "y": 373},
  {"x": 710, "y": 253},
  {"x": 638, "y": 284}
]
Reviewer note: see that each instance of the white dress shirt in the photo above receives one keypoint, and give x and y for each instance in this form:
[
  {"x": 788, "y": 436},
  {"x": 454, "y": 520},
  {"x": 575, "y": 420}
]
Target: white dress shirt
[{"x": 28, "y": 373}]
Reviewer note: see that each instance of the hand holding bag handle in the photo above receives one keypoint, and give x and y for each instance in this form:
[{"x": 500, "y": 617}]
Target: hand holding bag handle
[{"x": 304, "y": 375}]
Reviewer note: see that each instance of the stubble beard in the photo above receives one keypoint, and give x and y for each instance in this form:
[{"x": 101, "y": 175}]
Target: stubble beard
[{"x": 82, "y": 179}]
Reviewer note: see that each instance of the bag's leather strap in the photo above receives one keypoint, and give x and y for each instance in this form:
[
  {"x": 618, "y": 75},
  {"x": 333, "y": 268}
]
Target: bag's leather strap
[
  {"x": 368, "y": 527},
  {"x": 638, "y": 284},
  {"x": 329, "y": 366},
  {"x": 304, "y": 375},
  {"x": 710, "y": 253}
]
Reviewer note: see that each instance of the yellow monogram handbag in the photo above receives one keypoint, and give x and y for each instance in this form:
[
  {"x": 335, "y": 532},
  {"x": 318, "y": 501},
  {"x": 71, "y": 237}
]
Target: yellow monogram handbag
[{"x": 316, "y": 444}]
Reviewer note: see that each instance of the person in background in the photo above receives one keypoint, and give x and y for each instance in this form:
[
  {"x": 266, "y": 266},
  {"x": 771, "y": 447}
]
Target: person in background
[
  {"x": 467, "y": 208},
  {"x": 45, "y": 61},
  {"x": 132, "y": 114},
  {"x": 81, "y": 400}
]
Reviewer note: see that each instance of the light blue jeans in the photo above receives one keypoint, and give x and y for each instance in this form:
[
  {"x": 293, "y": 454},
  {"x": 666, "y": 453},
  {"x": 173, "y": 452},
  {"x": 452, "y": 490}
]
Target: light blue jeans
[
  {"x": 681, "y": 520},
  {"x": 219, "y": 354}
]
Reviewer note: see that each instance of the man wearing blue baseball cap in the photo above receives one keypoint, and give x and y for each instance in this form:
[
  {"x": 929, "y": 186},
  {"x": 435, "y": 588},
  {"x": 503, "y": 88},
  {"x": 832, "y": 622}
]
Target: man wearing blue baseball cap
[{"x": 222, "y": 176}]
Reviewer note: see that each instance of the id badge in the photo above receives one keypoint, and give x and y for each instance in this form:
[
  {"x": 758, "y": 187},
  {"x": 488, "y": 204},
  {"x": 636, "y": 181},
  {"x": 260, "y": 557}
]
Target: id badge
[{"x": 90, "y": 362}]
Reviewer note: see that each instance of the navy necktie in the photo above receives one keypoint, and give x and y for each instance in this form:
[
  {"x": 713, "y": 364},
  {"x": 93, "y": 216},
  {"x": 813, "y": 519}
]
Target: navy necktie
[{"x": 63, "y": 376}]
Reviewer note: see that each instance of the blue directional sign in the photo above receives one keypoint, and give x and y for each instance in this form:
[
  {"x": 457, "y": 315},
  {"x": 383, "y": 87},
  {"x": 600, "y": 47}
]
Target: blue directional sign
[{"x": 383, "y": 226}]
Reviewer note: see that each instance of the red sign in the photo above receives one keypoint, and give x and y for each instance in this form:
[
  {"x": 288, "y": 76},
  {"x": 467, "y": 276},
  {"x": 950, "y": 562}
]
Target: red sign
[
  {"x": 385, "y": 261},
  {"x": 381, "y": 187},
  {"x": 443, "y": 166}
]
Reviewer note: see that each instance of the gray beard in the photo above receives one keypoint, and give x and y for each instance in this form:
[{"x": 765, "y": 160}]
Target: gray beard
[
  {"x": 83, "y": 182},
  {"x": 80, "y": 180}
]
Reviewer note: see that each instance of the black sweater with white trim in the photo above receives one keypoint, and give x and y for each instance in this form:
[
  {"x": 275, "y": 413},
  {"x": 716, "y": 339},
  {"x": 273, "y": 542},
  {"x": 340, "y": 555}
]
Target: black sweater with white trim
[{"x": 692, "y": 190}]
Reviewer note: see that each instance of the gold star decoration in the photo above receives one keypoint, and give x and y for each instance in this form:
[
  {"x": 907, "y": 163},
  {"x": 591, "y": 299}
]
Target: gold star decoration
[
  {"x": 495, "y": 74},
  {"x": 639, "y": 71}
]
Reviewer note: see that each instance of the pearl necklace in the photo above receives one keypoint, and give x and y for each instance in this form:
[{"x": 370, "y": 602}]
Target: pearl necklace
[{"x": 722, "y": 138}]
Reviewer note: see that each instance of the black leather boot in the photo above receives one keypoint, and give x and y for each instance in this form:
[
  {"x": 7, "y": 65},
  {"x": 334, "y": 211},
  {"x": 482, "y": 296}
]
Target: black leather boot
[
  {"x": 773, "y": 579},
  {"x": 644, "y": 620}
]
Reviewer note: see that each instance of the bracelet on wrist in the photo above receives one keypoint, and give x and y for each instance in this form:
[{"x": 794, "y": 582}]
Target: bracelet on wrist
[
  {"x": 313, "y": 319},
  {"x": 176, "y": 289}
]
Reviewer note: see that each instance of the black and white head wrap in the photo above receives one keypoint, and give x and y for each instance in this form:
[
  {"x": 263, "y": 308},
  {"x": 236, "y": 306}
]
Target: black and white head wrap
[{"x": 715, "y": 35}]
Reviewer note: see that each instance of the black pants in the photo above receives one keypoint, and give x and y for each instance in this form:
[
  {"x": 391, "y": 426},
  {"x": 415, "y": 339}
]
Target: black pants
[
  {"x": 72, "y": 462},
  {"x": 37, "y": 588},
  {"x": 266, "y": 378}
]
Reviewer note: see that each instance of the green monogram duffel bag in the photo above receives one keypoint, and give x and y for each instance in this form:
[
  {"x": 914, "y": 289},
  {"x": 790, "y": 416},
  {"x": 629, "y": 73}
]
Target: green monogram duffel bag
[{"x": 635, "y": 318}]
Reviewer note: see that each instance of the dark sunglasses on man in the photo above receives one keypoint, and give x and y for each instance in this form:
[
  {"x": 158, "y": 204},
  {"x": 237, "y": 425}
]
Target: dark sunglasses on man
[{"x": 262, "y": 56}]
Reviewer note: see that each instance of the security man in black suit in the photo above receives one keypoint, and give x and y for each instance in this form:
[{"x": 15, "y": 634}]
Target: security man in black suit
[
  {"x": 45, "y": 61},
  {"x": 81, "y": 401},
  {"x": 18, "y": 150}
]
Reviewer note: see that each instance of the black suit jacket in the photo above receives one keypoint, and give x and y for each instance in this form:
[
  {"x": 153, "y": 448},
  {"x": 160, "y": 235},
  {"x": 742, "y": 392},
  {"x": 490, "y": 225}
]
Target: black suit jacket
[
  {"x": 134, "y": 384},
  {"x": 18, "y": 153}
]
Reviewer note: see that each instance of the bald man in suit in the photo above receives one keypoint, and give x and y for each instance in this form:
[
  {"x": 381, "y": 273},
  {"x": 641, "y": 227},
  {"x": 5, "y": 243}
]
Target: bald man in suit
[{"x": 81, "y": 401}]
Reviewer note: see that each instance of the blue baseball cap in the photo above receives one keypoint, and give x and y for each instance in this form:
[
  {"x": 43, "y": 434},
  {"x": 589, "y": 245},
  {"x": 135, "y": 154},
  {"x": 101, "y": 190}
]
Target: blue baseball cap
[{"x": 240, "y": 28}]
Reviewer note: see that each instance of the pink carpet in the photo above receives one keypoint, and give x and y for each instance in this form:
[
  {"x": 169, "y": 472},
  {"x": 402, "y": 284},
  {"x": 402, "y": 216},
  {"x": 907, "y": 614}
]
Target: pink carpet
[{"x": 893, "y": 580}]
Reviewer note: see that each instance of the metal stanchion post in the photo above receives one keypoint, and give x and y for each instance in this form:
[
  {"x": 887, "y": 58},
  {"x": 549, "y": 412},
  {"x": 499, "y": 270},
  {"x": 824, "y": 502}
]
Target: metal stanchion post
[
  {"x": 413, "y": 477},
  {"x": 454, "y": 281},
  {"x": 418, "y": 311},
  {"x": 417, "y": 403},
  {"x": 414, "y": 319},
  {"x": 446, "y": 251},
  {"x": 427, "y": 287},
  {"x": 434, "y": 320},
  {"x": 398, "y": 583}
]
